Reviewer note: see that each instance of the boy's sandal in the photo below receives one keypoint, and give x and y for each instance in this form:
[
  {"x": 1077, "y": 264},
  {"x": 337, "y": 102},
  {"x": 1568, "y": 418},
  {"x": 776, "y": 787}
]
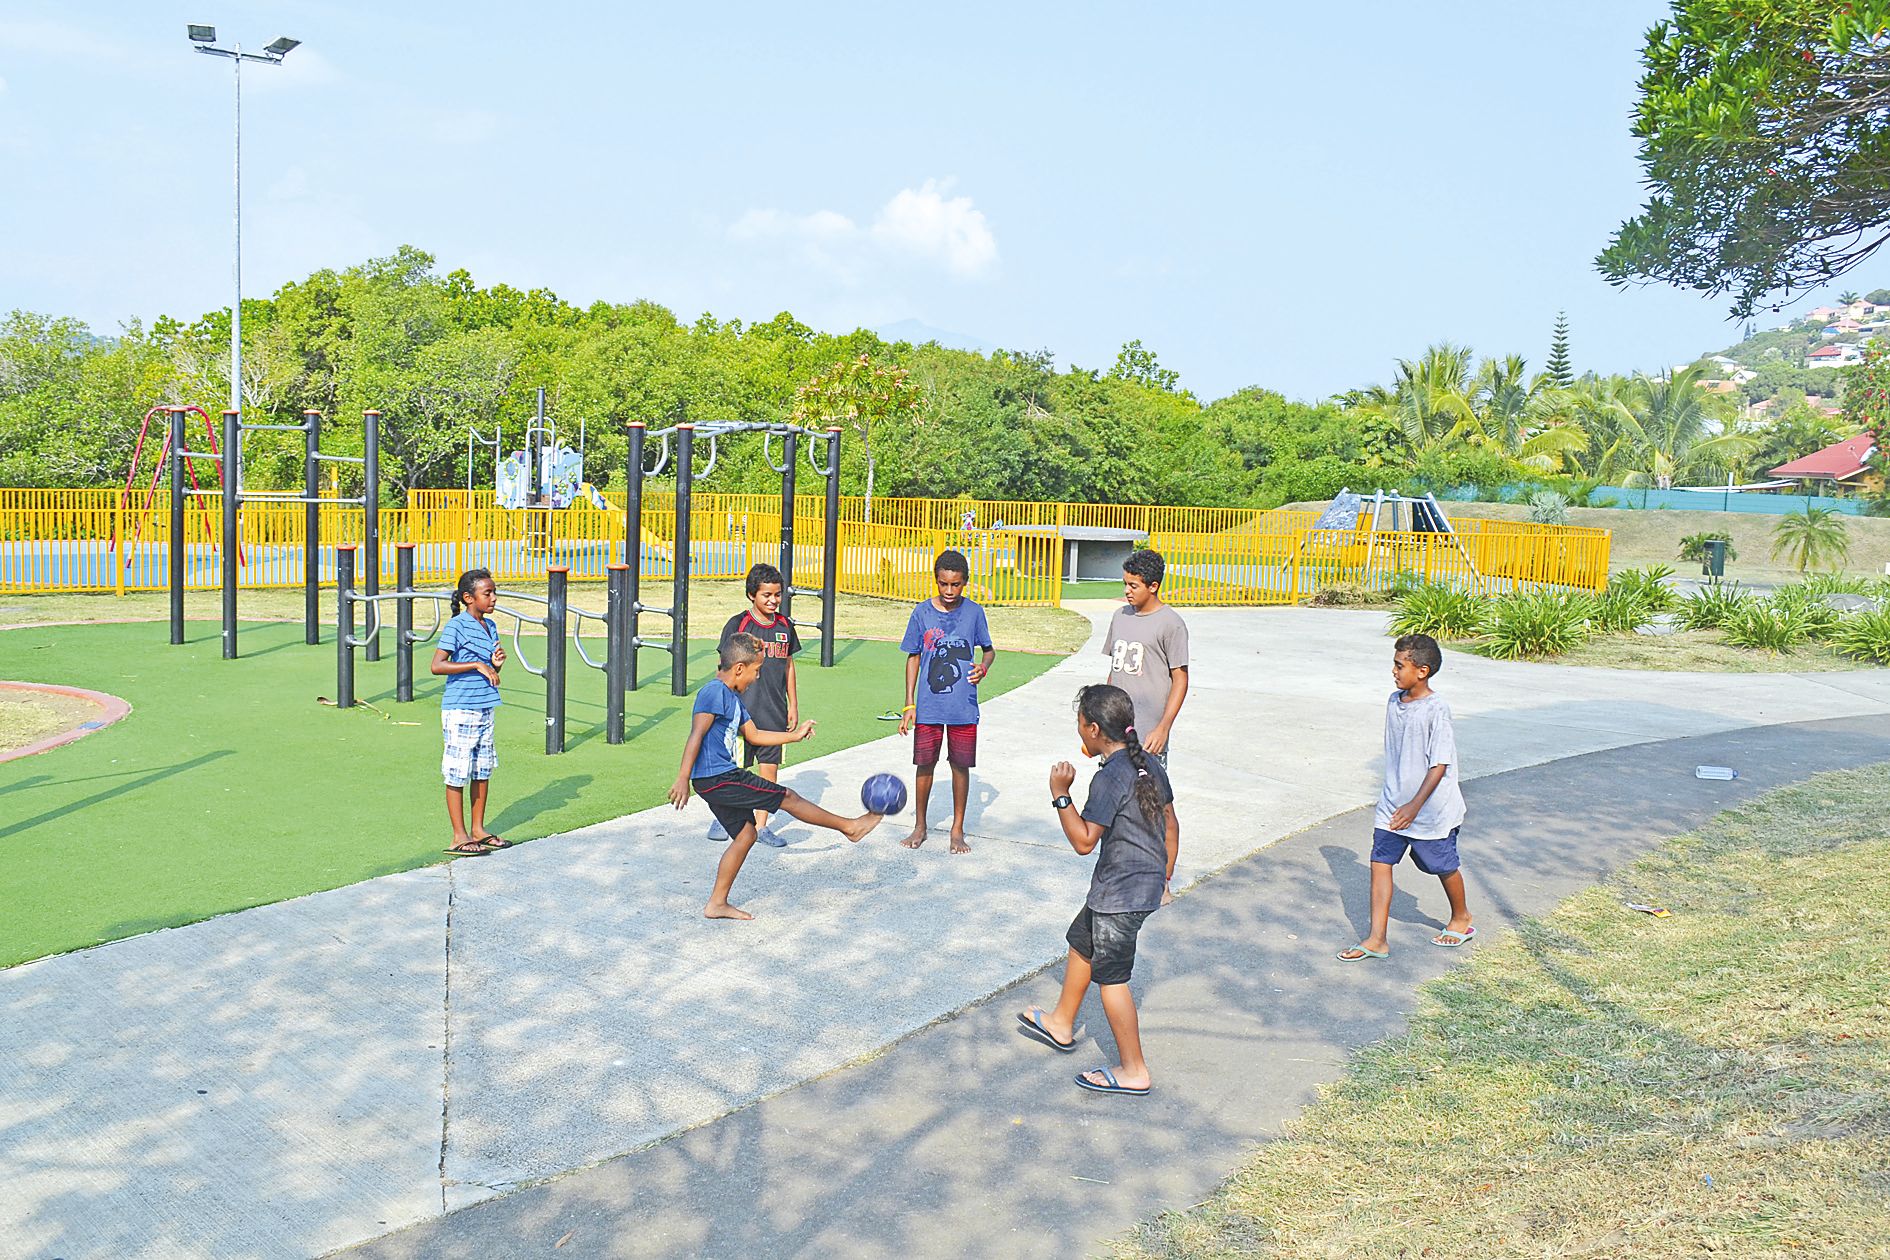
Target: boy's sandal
[
  {"x": 1111, "y": 1087},
  {"x": 1032, "y": 1020},
  {"x": 1453, "y": 940},
  {"x": 473, "y": 849},
  {"x": 493, "y": 842},
  {"x": 1358, "y": 953}
]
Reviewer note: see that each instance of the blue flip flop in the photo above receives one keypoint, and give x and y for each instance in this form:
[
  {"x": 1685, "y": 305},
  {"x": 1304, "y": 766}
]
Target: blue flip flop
[
  {"x": 1034, "y": 1026},
  {"x": 1362, "y": 953},
  {"x": 1454, "y": 940},
  {"x": 1111, "y": 1087}
]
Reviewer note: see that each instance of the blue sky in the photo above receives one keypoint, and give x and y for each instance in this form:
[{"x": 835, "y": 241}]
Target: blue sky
[{"x": 1290, "y": 196}]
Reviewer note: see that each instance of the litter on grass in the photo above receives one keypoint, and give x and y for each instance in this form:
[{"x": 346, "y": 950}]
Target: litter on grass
[{"x": 1659, "y": 912}]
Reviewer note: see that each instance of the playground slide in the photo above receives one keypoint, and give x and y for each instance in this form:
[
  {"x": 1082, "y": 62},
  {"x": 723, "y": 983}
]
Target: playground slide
[{"x": 594, "y": 497}]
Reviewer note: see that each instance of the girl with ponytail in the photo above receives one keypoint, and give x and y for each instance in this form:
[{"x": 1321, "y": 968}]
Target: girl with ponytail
[
  {"x": 469, "y": 657},
  {"x": 1130, "y": 817}
]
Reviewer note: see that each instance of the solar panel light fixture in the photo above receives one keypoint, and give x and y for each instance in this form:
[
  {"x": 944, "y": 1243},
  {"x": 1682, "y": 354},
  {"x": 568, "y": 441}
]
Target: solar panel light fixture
[{"x": 201, "y": 34}]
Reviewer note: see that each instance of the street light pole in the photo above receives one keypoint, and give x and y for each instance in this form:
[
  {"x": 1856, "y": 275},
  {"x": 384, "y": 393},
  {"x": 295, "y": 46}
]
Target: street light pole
[{"x": 204, "y": 37}]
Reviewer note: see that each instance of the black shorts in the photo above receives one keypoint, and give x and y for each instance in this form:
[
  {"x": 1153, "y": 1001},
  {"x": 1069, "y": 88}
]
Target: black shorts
[
  {"x": 760, "y": 754},
  {"x": 734, "y": 796},
  {"x": 1108, "y": 941}
]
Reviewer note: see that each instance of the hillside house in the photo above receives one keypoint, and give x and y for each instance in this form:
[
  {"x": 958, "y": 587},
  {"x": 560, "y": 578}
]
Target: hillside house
[
  {"x": 1835, "y": 356},
  {"x": 1845, "y": 467}
]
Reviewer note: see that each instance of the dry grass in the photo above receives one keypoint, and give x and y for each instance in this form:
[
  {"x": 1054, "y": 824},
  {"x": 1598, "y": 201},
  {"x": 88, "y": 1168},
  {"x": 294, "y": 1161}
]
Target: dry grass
[
  {"x": 710, "y": 603},
  {"x": 1699, "y": 651},
  {"x": 27, "y": 719},
  {"x": 1609, "y": 1084}
]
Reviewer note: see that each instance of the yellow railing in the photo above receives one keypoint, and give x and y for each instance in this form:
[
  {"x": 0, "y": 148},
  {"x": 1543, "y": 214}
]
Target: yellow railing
[{"x": 99, "y": 540}]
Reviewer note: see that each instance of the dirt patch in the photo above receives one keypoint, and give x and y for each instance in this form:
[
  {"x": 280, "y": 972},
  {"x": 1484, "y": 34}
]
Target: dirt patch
[{"x": 36, "y": 717}]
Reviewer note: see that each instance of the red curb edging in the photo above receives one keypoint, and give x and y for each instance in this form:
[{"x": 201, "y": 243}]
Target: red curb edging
[{"x": 111, "y": 709}]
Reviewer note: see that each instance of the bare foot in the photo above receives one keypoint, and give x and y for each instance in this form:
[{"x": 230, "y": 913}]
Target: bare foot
[
  {"x": 724, "y": 911},
  {"x": 917, "y": 837},
  {"x": 1060, "y": 1031},
  {"x": 1168, "y": 898},
  {"x": 1124, "y": 1080},
  {"x": 861, "y": 827},
  {"x": 958, "y": 843}
]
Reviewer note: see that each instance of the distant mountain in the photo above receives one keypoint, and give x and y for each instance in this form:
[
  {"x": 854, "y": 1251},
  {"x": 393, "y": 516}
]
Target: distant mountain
[{"x": 919, "y": 333}]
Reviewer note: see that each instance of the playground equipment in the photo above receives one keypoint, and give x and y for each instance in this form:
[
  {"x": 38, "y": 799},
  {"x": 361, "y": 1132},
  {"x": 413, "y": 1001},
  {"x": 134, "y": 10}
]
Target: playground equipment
[
  {"x": 233, "y": 494},
  {"x": 1394, "y": 518},
  {"x": 685, "y": 435},
  {"x": 158, "y": 467},
  {"x": 559, "y": 620}
]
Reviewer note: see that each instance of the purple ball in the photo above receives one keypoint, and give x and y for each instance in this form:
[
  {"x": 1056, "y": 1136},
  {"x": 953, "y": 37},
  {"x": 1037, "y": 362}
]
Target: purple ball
[{"x": 883, "y": 794}]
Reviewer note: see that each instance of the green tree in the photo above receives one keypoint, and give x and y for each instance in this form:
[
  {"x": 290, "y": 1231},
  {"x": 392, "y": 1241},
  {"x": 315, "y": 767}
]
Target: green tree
[
  {"x": 1136, "y": 363},
  {"x": 1878, "y": 297},
  {"x": 864, "y": 396},
  {"x": 1560, "y": 369},
  {"x": 1796, "y": 431},
  {"x": 1847, "y": 297},
  {"x": 1812, "y": 538},
  {"x": 1662, "y": 431},
  {"x": 1763, "y": 137}
]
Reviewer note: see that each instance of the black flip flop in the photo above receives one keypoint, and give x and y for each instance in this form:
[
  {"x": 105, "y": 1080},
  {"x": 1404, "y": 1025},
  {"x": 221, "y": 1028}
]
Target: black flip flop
[
  {"x": 1111, "y": 1087},
  {"x": 494, "y": 842},
  {"x": 471, "y": 850},
  {"x": 1034, "y": 1026}
]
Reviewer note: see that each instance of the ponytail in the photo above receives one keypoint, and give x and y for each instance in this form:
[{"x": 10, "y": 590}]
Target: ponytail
[
  {"x": 1112, "y": 711},
  {"x": 467, "y": 581}
]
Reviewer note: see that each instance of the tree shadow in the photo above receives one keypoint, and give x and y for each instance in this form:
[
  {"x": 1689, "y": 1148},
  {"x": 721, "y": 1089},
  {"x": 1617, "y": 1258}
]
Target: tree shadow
[
  {"x": 554, "y": 795},
  {"x": 143, "y": 780},
  {"x": 1352, "y": 881}
]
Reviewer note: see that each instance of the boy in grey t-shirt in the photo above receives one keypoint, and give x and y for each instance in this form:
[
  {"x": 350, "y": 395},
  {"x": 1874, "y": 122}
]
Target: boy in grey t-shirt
[
  {"x": 1147, "y": 647},
  {"x": 1421, "y": 806}
]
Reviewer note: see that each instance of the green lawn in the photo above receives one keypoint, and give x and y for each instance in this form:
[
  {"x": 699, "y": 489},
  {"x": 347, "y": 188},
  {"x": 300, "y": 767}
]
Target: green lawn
[
  {"x": 228, "y": 786},
  {"x": 1609, "y": 1084}
]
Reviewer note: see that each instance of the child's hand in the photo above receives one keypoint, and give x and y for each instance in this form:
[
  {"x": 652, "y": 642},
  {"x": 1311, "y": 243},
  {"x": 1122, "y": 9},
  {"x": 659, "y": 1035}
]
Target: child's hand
[
  {"x": 498, "y": 658},
  {"x": 805, "y": 730},
  {"x": 1402, "y": 817},
  {"x": 977, "y": 673},
  {"x": 488, "y": 673},
  {"x": 679, "y": 791},
  {"x": 1062, "y": 775},
  {"x": 905, "y": 722}
]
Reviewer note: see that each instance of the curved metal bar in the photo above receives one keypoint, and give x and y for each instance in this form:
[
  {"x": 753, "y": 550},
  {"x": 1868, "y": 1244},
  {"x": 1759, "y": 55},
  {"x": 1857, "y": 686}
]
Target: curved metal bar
[
  {"x": 518, "y": 625},
  {"x": 428, "y": 636},
  {"x": 577, "y": 636},
  {"x": 767, "y": 450},
  {"x": 662, "y": 456},
  {"x": 699, "y": 473},
  {"x": 814, "y": 464},
  {"x": 373, "y": 626}
]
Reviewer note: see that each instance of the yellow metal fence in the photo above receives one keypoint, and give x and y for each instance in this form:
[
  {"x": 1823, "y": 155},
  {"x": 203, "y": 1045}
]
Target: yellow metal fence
[{"x": 98, "y": 540}]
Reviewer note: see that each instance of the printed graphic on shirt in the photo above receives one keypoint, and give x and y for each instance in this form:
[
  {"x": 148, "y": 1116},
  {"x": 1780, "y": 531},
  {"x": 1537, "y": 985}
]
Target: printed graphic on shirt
[
  {"x": 1127, "y": 657},
  {"x": 947, "y": 660}
]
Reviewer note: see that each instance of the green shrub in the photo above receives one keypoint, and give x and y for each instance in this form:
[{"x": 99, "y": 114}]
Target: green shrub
[
  {"x": 1865, "y": 636},
  {"x": 1693, "y": 547},
  {"x": 1548, "y": 507},
  {"x": 1441, "y": 611},
  {"x": 1842, "y": 584},
  {"x": 1806, "y": 602},
  {"x": 1529, "y": 624},
  {"x": 1343, "y": 594},
  {"x": 1621, "y": 610},
  {"x": 1708, "y": 607},
  {"x": 1649, "y": 584},
  {"x": 1764, "y": 624}
]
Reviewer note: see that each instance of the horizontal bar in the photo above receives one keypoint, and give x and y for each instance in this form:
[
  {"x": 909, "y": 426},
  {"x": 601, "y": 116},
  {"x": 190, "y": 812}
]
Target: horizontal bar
[
  {"x": 274, "y": 428},
  {"x": 376, "y": 599},
  {"x": 652, "y": 608},
  {"x": 660, "y": 645},
  {"x": 341, "y": 459},
  {"x": 197, "y": 454},
  {"x": 813, "y": 591}
]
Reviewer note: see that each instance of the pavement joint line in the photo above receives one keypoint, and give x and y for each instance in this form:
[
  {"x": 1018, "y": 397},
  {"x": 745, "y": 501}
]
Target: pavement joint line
[{"x": 446, "y": 1032}]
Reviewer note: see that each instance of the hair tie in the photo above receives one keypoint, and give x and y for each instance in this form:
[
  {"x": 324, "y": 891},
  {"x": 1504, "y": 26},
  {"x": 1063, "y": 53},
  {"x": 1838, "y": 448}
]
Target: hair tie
[
  {"x": 1141, "y": 774},
  {"x": 1128, "y": 730}
]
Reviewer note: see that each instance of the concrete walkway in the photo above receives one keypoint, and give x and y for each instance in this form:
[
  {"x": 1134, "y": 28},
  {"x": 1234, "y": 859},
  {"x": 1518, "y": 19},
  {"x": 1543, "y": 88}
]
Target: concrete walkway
[
  {"x": 305, "y": 1076},
  {"x": 969, "y": 1138}
]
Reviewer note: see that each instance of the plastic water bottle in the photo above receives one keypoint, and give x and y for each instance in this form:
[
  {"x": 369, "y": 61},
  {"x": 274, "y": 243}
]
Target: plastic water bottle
[{"x": 1715, "y": 772}]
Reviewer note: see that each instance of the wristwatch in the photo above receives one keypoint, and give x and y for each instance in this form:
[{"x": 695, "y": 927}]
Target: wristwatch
[{"x": 1062, "y": 802}]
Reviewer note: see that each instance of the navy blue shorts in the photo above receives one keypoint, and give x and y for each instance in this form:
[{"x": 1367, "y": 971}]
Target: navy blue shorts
[{"x": 1433, "y": 857}]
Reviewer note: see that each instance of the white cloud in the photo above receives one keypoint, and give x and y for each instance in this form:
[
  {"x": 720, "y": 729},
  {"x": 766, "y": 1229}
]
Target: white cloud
[
  {"x": 924, "y": 222},
  {"x": 921, "y": 225}
]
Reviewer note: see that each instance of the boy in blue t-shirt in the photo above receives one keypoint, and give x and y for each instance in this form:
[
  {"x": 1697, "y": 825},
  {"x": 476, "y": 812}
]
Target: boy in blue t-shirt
[
  {"x": 732, "y": 793},
  {"x": 943, "y": 714},
  {"x": 469, "y": 658}
]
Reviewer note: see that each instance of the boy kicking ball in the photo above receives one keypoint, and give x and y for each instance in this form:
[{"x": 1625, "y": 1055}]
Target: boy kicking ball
[
  {"x": 735, "y": 795},
  {"x": 1421, "y": 806}
]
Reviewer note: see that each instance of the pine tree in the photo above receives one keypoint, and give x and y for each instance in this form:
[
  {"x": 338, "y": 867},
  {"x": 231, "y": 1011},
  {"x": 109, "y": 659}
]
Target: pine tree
[{"x": 1560, "y": 370}]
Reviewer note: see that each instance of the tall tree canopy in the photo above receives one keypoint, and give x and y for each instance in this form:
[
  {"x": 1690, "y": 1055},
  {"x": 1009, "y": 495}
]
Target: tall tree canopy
[{"x": 1765, "y": 133}]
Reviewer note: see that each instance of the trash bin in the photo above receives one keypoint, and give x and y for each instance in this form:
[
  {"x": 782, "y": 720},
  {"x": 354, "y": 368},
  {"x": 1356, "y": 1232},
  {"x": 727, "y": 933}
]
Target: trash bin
[{"x": 1715, "y": 565}]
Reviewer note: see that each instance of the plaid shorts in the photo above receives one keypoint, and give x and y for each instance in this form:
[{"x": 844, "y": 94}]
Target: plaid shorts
[{"x": 469, "y": 750}]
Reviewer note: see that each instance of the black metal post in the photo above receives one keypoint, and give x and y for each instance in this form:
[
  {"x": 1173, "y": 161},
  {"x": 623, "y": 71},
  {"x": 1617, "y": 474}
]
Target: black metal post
[
  {"x": 555, "y": 616},
  {"x": 633, "y": 546},
  {"x": 830, "y": 561},
  {"x": 403, "y": 622},
  {"x": 311, "y": 528},
  {"x": 344, "y": 627},
  {"x": 679, "y": 604},
  {"x": 177, "y": 550},
  {"x": 791, "y": 442},
  {"x": 617, "y": 650},
  {"x": 371, "y": 501},
  {"x": 232, "y": 545}
]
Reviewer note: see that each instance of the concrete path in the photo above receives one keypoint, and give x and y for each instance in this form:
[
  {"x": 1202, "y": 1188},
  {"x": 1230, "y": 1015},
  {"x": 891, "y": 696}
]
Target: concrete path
[
  {"x": 304, "y": 1076},
  {"x": 969, "y": 1138}
]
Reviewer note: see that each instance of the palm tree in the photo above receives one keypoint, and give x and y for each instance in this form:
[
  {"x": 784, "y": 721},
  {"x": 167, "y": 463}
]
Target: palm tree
[
  {"x": 1811, "y": 538},
  {"x": 1662, "y": 431},
  {"x": 1847, "y": 297},
  {"x": 1526, "y": 417}
]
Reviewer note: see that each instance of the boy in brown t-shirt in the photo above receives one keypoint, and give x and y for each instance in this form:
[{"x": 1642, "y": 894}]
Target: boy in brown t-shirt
[{"x": 1147, "y": 647}]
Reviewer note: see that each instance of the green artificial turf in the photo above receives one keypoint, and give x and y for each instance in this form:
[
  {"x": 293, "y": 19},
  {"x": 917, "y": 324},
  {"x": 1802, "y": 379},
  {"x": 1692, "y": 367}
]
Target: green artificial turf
[{"x": 228, "y": 786}]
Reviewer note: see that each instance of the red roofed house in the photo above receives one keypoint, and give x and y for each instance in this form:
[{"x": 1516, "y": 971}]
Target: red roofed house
[{"x": 1844, "y": 466}]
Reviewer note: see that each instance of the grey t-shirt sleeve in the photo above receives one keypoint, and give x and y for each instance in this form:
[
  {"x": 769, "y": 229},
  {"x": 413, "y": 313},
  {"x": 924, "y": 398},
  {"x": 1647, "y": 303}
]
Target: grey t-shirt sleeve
[
  {"x": 1175, "y": 642},
  {"x": 1441, "y": 739}
]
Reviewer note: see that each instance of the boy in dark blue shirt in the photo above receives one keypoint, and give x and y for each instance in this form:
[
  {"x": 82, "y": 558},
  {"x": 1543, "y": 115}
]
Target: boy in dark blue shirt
[
  {"x": 734, "y": 794},
  {"x": 943, "y": 712}
]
